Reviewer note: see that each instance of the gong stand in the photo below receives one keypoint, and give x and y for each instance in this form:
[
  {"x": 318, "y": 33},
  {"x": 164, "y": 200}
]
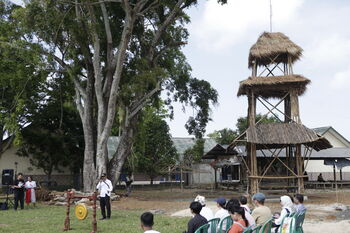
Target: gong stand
[{"x": 70, "y": 196}]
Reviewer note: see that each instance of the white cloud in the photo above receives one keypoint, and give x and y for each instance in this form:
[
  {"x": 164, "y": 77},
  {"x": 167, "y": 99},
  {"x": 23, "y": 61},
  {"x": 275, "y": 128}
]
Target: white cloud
[
  {"x": 329, "y": 51},
  {"x": 221, "y": 26},
  {"x": 341, "y": 80}
]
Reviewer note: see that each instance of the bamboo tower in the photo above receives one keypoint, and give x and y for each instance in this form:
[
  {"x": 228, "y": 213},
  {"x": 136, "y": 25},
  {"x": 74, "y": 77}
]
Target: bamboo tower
[{"x": 271, "y": 60}]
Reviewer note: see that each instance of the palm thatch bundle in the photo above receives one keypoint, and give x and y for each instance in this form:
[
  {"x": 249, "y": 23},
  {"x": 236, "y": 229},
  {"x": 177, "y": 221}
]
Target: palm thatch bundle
[
  {"x": 273, "y": 86},
  {"x": 273, "y": 46},
  {"x": 276, "y": 135}
]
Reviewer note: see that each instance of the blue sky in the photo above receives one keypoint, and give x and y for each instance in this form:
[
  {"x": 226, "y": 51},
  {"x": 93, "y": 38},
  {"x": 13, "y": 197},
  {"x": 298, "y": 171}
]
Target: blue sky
[{"x": 219, "y": 43}]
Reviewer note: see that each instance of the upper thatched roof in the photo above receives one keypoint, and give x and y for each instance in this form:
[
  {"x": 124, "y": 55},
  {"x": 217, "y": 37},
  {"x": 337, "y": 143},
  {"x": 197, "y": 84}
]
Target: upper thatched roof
[
  {"x": 276, "y": 135},
  {"x": 271, "y": 44},
  {"x": 273, "y": 86}
]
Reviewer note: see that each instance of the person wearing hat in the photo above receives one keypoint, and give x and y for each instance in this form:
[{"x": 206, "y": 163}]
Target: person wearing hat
[
  {"x": 261, "y": 213},
  {"x": 105, "y": 188},
  {"x": 206, "y": 212},
  {"x": 222, "y": 212}
]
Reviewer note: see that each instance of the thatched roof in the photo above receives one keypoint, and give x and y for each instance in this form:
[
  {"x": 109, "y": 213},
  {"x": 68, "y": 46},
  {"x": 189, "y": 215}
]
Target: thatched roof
[
  {"x": 276, "y": 135},
  {"x": 273, "y": 86},
  {"x": 271, "y": 44},
  {"x": 219, "y": 151}
]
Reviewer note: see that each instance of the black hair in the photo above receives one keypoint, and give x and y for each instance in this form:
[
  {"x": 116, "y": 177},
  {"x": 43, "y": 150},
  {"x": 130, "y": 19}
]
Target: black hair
[
  {"x": 196, "y": 207},
  {"x": 243, "y": 200},
  {"x": 20, "y": 174},
  {"x": 147, "y": 219},
  {"x": 239, "y": 210},
  {"x": 291, "y": 198},
  {"x": 299, "y": 197},
  {"x": 232, "y": 202}
]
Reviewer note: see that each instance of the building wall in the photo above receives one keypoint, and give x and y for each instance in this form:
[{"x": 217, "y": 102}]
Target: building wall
[
  {"x": 335, "y": 140},
  {"x": 9, "y": 157},
  {"x": 204, "y": 174},
  {"x": 315, "y": 167}
]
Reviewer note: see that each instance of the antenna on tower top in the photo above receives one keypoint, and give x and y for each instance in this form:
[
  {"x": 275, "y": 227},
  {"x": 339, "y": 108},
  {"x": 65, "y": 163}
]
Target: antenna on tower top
[{"x": 270, "y": 15}]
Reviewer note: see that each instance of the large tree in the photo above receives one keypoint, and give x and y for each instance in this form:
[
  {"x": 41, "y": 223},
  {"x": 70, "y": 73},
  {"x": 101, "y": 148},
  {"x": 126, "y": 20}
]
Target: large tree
[{"x": 120, "y": 55}]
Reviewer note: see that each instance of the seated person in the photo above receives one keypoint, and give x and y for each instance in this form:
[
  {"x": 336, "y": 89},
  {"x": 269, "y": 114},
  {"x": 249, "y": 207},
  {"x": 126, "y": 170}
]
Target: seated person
[
  {"x": 299, "y": 206},
  {"x": 248, "y": 216},
  {"x": 147, "y": 223},
  {"x": 320, "y": 178},
  {"x": 261, "y": 213},
  {"x": 222, "y": 212},
  {"x": 243, "y": 201},
  {"x": 206, "y": 212},
  {"x": 240, "y": 223},
  {"x": 198, "y": 220},
  {"x": 287, "y": 209}
]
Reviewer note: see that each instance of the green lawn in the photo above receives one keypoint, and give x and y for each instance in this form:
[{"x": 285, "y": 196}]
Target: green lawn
[{"x": 47, "y": 219}]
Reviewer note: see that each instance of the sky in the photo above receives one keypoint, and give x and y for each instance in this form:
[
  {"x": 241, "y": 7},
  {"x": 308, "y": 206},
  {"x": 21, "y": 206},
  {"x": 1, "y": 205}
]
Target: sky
[{"x": 218, "y": 49}]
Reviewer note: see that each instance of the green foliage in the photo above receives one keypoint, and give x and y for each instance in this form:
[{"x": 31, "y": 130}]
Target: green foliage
[
  {"x": 242, "y": 122},
  {"x": 54, "y": 137},
  {"x": 154, "y": 149},
  {"x": 22, "y": 74},
  {"x": 224, "y": 136},
  {"x": 195, "y": 153}
]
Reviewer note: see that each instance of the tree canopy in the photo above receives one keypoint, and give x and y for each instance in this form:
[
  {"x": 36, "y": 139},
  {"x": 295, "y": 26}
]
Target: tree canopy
[
  {"x": 154, "y": 150},
  {"x": 226, "y": 136}
]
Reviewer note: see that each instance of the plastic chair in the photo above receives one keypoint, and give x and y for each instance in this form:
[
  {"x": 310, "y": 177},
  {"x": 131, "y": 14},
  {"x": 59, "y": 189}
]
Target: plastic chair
[
  {"x": 248, "y": 230},
  {"x": 256, "y": 229},
  {"x": 203, "y": 229},
  {"x": 213, "y": 224},
  {"x": 297, "y": 227},
  {"x": 266, "y": 227},
  {"x": 225, "y": 224}
]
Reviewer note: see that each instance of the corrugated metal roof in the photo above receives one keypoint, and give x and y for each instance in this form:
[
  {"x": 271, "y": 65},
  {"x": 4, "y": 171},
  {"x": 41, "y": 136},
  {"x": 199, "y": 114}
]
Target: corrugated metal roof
[{"x": 181, "y": 144}]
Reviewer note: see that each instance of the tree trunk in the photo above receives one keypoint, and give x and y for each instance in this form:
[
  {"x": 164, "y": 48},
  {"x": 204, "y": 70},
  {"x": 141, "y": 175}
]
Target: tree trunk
[
  {"x": 151, "y": 182},
  {"x": 115, "y": 165}
]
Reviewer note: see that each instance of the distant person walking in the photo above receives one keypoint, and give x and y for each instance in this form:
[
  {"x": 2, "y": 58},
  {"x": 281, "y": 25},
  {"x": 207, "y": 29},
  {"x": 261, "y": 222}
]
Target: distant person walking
[
  {"x": 128, "y": 183},
  {"x": 105, "y": 187},
  {"x": 30, "y": 186},
  {"x": 18, "y": 191}
]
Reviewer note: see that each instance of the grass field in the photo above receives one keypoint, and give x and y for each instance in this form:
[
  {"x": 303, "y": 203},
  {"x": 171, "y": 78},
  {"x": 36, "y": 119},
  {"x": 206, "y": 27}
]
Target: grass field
[{"x": 47, "y": 219}]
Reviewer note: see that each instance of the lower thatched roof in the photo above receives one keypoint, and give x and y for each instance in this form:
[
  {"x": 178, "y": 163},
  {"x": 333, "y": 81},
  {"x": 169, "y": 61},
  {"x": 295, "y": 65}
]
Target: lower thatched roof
[
  {"x": 273, "y": 86},
  {"x": 276, "y": 135}
]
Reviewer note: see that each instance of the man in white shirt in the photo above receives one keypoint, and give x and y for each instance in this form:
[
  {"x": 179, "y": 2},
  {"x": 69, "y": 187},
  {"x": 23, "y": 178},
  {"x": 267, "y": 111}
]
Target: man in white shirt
[
  {"x": 105, "y": 188},
  {"x": 206, "y": 212},
  {"x": 147, "y": 223}
]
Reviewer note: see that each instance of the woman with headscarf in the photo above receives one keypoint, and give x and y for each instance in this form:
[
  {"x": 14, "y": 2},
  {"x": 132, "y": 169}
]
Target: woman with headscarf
[{"x": 287, "y": 209}]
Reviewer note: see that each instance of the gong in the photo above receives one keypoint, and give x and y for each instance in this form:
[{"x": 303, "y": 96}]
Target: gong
[{"x": 81, "y": 211}]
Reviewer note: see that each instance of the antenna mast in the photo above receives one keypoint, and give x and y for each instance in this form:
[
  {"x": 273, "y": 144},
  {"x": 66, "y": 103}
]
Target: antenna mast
[{"x": 270, "y": 15}]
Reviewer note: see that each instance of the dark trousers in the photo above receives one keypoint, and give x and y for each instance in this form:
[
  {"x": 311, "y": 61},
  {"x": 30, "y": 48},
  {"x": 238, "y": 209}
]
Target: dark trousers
[
  {"x": 19, "y": 196},
  {"x": 105, "y": 202}
]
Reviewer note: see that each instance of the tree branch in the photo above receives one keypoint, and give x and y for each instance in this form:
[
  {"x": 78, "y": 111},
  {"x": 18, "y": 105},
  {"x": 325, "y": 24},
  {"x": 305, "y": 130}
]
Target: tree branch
[
  {"x": 142, "y": 102},
  {"x": 162, "y": 29}
]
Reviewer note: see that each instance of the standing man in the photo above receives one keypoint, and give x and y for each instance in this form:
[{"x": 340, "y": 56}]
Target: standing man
[
  {"x": 105, "y": 188},
  {"x": 18, "y": 191}
]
